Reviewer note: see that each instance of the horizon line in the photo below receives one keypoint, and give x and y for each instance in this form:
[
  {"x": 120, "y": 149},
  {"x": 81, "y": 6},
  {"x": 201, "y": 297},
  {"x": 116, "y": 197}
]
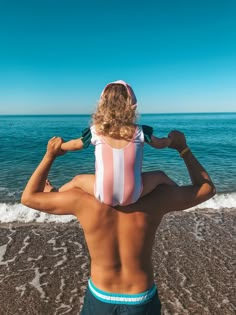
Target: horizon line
[{"x": 162, "y": 113}]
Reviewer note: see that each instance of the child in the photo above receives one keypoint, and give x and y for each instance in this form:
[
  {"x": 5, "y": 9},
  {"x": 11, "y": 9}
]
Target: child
[{"x": 118, "y": 142}]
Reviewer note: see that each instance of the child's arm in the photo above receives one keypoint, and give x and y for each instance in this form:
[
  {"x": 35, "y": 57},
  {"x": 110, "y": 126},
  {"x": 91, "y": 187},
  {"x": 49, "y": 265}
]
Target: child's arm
[
  {"x": 159, "y": 143},
  {"x": 80, "y": 143},
  {"x": 72, "y": 145}
]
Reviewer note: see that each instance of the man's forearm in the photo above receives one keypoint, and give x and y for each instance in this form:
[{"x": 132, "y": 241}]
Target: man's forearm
[
  {"x": 37, "y": 180},
  {"x": 197, "y": 172},
  {"x": 176, "y": 198}
]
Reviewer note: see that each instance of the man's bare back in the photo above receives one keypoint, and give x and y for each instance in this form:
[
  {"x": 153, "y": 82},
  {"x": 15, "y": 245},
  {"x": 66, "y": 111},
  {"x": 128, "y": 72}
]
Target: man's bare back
[
  {"x": 120, "y": 239},
  {"x": 122, "y": 261}
]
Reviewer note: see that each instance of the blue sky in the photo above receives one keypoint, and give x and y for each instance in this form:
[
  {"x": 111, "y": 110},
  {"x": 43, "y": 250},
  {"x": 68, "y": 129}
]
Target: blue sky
[{"x": 57, "y": 55}]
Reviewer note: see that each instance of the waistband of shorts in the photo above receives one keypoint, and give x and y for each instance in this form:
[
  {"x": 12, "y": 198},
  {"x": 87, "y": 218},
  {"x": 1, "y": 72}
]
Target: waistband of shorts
[{"x": 117, "y": 298}]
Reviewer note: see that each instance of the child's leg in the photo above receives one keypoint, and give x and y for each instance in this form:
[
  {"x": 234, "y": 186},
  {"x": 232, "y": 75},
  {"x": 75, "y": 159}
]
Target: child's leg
[
  {"x": 154, "y": 178},
  {"x": 84, "y": 181}
]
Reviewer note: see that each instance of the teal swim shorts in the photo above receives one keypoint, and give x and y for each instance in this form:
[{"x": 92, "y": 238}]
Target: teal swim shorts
[{"x": 98, "y": 302}]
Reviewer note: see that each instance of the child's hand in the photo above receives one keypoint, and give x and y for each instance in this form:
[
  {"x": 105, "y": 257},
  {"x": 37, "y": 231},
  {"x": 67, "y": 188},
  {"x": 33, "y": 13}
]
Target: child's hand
[
  {"x": 63, "y": 147},
  {"x": 168, "y": 141}
]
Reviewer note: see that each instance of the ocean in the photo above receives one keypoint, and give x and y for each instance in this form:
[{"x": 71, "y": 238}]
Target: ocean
[
  {"x": 211, "y": 136},
  {"x": 44, "y": 261}
]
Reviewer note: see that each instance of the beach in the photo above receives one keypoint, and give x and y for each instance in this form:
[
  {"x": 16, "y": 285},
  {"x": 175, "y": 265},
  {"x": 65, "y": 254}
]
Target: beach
[
  {"x": 44, "y": 262},
  {"x": 44, "y": 267}
]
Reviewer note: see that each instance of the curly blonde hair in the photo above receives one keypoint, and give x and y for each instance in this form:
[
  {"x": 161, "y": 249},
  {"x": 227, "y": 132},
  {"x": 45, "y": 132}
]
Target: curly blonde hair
[{"x": 115, "y": 117}]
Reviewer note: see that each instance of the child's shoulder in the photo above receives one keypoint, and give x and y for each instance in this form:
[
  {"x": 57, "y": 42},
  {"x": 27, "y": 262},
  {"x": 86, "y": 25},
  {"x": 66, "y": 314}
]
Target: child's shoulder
[
  {"x": 146, "y": 131},
  {"x": 86, "y": 137},
  {"x": 145, "y": 128}
]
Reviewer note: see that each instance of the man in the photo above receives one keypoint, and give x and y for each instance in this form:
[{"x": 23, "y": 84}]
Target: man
[{"x": 120, "y": 239}]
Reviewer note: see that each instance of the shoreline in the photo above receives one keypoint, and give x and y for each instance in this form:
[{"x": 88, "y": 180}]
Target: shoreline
[
  {"x": 44, "y": 267},
  {"x": 16, "y": 213}
]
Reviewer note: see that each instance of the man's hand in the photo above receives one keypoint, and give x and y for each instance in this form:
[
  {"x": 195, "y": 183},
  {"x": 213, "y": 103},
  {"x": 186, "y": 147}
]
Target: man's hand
[
  {"x": 54, "y": 147},
  {"x": 178, "y": 140}
]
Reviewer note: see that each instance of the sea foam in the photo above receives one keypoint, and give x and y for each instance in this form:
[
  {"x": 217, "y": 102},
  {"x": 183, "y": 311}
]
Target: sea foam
[
  {"x": 218, "y": 202},
  {"x": 19, "y": 213}
]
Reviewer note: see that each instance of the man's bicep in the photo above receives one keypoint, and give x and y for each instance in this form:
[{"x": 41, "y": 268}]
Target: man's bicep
[
  {"x": 62, "y": 203},
  {"x": 177, "y": 198}
]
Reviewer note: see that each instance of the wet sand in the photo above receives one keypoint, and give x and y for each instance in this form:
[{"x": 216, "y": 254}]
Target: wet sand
[{"x": 44, "y": 267}]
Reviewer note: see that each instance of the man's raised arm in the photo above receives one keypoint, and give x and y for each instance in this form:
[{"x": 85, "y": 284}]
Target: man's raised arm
[
  {"x": 55, "y": 203},
  {"x": 184, "y": 197}
]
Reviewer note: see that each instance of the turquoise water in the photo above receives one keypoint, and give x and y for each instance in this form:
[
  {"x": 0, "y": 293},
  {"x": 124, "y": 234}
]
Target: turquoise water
[{"x": 212, "y": 138}]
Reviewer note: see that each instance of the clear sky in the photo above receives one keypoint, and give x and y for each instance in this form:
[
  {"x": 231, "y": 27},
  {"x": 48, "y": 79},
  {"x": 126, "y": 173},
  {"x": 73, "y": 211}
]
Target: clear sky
[{"x": 57, "y": 55}]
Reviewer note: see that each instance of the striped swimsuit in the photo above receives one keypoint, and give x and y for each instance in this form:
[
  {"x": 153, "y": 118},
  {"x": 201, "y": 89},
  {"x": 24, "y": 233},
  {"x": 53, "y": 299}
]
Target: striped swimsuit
[{"x": 118, "y": 172}]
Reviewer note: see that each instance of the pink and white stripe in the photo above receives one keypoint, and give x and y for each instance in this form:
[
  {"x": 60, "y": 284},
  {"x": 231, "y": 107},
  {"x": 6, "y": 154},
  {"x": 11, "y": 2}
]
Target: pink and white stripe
[{"x": 118, "y": 171}]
